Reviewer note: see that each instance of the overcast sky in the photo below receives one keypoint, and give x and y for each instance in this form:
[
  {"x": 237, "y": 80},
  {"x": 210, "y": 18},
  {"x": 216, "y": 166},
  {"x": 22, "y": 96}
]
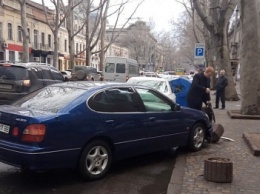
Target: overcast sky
[{"x": 160, "y": 11}]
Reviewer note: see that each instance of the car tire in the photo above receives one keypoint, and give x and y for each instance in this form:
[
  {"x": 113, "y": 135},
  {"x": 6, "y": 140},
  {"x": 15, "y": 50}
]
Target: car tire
[
  {"x": 95, "y": 160},
  {"x": 80, "y": 75},
  {"x": 197, "y": 137}
]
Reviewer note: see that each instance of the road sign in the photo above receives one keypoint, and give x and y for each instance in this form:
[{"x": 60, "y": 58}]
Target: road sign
[{"x": 199, "y": 51}]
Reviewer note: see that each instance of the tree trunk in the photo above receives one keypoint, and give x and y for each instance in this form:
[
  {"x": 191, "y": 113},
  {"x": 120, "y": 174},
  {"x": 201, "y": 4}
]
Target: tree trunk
[
  {"x": 56, "y": 50},
  {"x": 25, "y": 58},
  {"x": 250, "y": 68},
  {"x": 70, "y": 29},
  {"x": 103, "y": 36}
]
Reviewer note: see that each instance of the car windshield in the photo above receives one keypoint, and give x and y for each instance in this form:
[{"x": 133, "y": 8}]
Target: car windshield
[
  {"x": 156, "y": 84},
  {"x": 50, "y": 99},
  {"x": 13, "y": 73}
]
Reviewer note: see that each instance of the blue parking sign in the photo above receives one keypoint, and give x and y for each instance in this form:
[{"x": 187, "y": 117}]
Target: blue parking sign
[{"x": 199, "y": 51}]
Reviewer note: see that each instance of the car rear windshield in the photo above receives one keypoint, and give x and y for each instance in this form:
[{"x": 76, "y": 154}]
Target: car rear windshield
[
  {"x": 50, "y": 99},
  {"x": 13, "y": 72}
]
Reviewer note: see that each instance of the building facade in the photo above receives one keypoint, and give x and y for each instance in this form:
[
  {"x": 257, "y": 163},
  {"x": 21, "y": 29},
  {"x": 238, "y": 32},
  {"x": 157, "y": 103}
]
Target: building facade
[
  {"x": 41, "y": 42},
  {"x": 142, "y": 45}
]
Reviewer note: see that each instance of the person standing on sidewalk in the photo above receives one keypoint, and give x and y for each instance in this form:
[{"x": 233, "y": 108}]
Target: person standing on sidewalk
[
  {"x": 220, "y": 89},
  {"x": 199, "y": 91}
]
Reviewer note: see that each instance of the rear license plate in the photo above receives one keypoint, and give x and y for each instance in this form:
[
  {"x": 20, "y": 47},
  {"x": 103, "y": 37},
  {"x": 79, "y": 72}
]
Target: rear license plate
[
  {"x": 5, "y": 86},
  {"x": 4, "y": 128}
]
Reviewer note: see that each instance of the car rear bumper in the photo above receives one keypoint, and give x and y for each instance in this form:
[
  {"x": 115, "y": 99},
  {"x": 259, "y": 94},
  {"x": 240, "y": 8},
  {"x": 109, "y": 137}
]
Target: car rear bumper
[
  {"x": 36, "y": 158},
  {"x": 9, "y": 97}
]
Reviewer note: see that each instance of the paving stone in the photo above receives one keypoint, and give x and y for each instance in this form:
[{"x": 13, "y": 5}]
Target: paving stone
[{"x": 246, "y": 167}]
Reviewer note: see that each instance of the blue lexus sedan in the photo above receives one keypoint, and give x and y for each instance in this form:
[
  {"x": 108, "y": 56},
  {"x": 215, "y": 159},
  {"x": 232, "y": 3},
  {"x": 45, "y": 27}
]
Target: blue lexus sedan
[{"x": 89, "y": 125}]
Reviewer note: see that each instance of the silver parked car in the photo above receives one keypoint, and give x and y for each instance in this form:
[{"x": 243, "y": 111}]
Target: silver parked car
[{"x": 160, "y": 84}]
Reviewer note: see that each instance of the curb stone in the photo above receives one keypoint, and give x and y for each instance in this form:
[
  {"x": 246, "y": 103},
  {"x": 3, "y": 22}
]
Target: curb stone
[{"x": 176, "y": 182}]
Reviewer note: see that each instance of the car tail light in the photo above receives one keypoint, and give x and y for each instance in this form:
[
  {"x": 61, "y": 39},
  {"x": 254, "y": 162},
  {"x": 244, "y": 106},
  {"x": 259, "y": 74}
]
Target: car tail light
[
  {"x": 26, "y": 82},
  {"x": 34, "y": 133},
  {"x": 15, "y": 132}
]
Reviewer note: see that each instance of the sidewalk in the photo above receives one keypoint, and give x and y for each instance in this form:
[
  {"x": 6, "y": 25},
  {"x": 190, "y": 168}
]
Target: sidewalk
[{"x": 187, "y": 177}]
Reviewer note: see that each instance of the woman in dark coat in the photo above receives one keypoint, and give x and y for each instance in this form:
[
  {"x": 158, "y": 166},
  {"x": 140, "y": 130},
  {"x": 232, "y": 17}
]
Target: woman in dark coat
[{"x": 199, "y": 91}]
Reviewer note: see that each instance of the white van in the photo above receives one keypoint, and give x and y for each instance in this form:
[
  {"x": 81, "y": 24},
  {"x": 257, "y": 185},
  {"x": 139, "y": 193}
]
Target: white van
[{"x": 120, "y": 69}]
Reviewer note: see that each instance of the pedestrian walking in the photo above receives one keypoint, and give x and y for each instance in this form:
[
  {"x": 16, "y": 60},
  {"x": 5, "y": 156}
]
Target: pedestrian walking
[
  {"x": 200, "y": 89},
  {"x": 220, "y": 89}
]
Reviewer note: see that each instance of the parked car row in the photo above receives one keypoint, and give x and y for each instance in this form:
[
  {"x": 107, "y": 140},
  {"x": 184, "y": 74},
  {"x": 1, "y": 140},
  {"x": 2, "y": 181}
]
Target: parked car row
[
  {"x": 19, "y": 79},
  {"x": 90, "y": 124}
]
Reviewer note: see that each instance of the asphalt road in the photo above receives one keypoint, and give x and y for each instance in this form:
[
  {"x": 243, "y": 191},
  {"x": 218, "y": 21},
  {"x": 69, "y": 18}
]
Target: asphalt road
[{"x": 149, "y": 174}]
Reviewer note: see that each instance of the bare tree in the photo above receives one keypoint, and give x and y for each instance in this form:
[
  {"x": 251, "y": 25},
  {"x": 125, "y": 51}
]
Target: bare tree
[
  {"x": 250, "y": 67},
  {"x": 25, "y": 35},
  {"x": 72, "y": 12},
  {"x": 141, "y": 43},
  {"x": 55, "y": 18},
  {"x": 105, "y": 15},
  {"x": 216, "y": 24},
  {"x": 186, "y": 35},
  {"x": 169, "y": 49}
]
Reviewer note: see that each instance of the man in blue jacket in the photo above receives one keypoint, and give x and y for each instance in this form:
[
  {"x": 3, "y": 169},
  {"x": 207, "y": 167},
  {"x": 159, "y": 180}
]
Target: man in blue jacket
[
  {"x": 199, "y": 91},
  {"x": 220, "y": 89}
]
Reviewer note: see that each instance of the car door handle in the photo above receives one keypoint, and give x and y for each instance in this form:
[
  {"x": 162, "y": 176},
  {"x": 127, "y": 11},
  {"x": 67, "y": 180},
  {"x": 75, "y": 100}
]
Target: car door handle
[
  {"x": 152, "y": 118},
  {"x": 110, "y": 122}
]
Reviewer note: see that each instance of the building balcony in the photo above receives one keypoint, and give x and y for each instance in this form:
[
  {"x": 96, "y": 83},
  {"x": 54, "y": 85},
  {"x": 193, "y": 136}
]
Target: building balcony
[{"x": 43, "y": 47}]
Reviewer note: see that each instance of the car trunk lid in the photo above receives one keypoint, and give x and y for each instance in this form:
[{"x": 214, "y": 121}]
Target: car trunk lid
[{"x": 14, "y": 120}]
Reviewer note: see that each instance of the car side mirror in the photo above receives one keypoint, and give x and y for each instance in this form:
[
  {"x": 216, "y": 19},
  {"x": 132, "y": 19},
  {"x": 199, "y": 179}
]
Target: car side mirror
[{"x": 176, "y": 107}]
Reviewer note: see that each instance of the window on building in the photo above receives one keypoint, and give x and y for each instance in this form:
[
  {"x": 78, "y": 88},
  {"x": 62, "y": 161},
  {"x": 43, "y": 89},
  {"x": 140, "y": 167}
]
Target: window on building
[
  {"x": 77, "y": 48},
  {"x": 19, "y": 30},
  {"x": 80, "y": 47},
  {"x": 49, "y": 40},
  {"x": 1, "y": 30},
  {"x": 29, "y": 35},
  {"x": 43, "y": 38},
  {"x": 12, "y": 56},
  {"x": 65, "y": 45},
  {"x": 35, "y": 38},
  {"x": 10, "y": 31},
  {"x": 20, "y": 56},
  {"x": 48, "y": 60}
]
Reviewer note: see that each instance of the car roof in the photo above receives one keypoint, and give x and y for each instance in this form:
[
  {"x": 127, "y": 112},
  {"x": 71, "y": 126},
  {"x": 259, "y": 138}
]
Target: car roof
[
  {"x": 89, "y": 84},
  {"x": 148, "y": 78},
  {"x": 27, "y": 65}
]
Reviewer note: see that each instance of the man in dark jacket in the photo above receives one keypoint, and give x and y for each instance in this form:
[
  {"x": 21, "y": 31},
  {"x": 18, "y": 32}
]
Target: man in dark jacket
[
  {"x": 220, "y": 89},
  {"x": 199, "y": 91}
]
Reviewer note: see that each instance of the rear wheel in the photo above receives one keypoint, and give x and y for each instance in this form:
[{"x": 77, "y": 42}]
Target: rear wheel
[
  {"x": 95, "y": 160},
  {"x": 197, "y": 137}
]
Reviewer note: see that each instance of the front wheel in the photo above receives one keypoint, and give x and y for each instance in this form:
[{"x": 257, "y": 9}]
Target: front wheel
[
  {"x": 197, "y": 137},
  {"x": 95, "y": 160}
]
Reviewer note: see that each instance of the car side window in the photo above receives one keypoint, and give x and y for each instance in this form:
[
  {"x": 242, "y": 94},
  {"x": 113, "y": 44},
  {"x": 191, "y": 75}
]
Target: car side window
[
  {"x": 114, "y": 100},
  {"x": 120, "y": 68},
  {"x": 57, "y": 75},
  {"x": 46, "y": 74},
  {"x": 110, "y": 68},
  {"x": 153, "y": 101},
  {"x": 37, "y": 72}
]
